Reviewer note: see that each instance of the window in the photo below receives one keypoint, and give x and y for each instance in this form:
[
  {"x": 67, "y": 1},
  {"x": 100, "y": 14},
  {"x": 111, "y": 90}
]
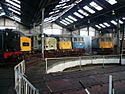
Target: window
[
  {"x": 89, "y": 9},
  {"x": 71, "y": 17},
  {"x": 25, "y": 44},
  {"x": 112, "y": 2},
  {"x": 78, "y": 15},
  {"x": 96, "y": 6},
  {"x": 83, "y": 12}
]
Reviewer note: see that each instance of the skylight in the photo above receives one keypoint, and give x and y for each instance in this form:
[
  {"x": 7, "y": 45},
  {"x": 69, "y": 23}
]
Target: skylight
[
  {"x": 102, "y": 25},
  {"x": 74, "y": 19},
  {"x": 14, "y": 11},
  {"x": 112, "y": 2},
  {"x": 114, "y": 22},
  {"x": 78, "y": 15},
  {"x": 13, "y": 3},
  {"x": 89, "y": 9},
  {"x": 83, "y": 12},
  {"x": 17, "y": 18},
  {"x": 60, "y": 5},
  {"x": 69, "y": 20},
  {"x": 123, "y": 18},
  {"x": 63, "y": 23},
  {"x": 98, "y": 26},
  {"x": 63, "y": 1},
  {"x": 3, "y": 13},
  {"x": 14, "y": 7},
  {"x": 96, "y": 6},
  {"x": 17, "y": 1},
  {"x": 106, "y": 24},
  {"x": 51, "y": 13},
  {"x": 121, "y": 22},
  {"x": 0, "y": 7}
]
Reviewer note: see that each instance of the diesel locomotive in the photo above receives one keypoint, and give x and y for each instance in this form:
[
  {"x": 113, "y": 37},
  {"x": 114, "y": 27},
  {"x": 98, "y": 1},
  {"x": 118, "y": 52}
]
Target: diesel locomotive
[{"x": 13, "y": 45}]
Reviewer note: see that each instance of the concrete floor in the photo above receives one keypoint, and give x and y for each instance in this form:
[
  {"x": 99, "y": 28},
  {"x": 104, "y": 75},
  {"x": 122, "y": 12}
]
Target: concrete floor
[
  {"x": 7, "y": 80},
  {"x": 94, "y": 77}
]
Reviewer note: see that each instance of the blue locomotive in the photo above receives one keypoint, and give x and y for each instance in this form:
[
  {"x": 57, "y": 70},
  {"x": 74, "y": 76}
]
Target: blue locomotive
[{"x": 78, "y": 42}]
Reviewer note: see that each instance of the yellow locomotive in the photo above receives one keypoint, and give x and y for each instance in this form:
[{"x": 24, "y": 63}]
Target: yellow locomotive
[{"x": 102, "y": 45}]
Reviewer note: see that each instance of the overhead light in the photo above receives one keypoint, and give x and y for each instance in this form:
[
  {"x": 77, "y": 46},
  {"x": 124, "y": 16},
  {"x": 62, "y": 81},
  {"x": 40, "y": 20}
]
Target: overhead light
[
  {"x": 98, "y": 26},
  {"x": 63, "y": 23},
  {"x": 83, "y": 12},
  {"x": 13, "y": 3},
  {"x": 121, "y": 22},
  {"x": 106, "y": 24},
  {"x": 89, "y": 9},
  {"x": 113, "y": 22},
  {"x": 102, "y": 25},
  {"x": 78, "y": 15},
  {"x": 74, "y": 19},
  {"x": 96, "y": 6},
  {"x": 14, "y": 11},
  {"x": 112, "y": 2},
  {"x": 69, "y": 20}
]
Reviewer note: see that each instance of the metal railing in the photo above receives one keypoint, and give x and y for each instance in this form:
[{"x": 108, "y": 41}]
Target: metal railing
[
  {"x": 68, "y": 62},
  {"x": 22, "y": 85}
]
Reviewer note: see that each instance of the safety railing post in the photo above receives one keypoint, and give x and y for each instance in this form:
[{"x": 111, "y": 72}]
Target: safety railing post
[
  {"x": 86, "y": 90},
  {"x": 80, "y": 63},
  {"x": 110, "y": 84},
  {"x": 46, "y": 64},
  {"x": 91, "y": 60},
  {"x": 22, "y": 85},
  {"x": 103, "y": 62}
]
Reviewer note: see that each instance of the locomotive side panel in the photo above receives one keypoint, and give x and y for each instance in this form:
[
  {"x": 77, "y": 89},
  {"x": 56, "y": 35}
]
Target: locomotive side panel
[{"x": 95, "y": 43}]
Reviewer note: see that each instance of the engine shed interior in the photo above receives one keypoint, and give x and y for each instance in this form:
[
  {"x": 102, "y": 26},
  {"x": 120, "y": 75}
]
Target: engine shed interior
[{"x": 62, "y": 39}]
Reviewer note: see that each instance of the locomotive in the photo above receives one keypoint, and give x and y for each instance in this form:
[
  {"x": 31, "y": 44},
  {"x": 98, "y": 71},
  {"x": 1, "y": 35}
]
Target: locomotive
[
  {"x": 102, "y": 45},
  {"x": 61, "y": 45},
  {"x": 13, "y": 45}
]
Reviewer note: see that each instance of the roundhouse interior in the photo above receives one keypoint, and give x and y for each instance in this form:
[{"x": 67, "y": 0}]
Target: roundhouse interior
[{"x": 60, "y": 40}]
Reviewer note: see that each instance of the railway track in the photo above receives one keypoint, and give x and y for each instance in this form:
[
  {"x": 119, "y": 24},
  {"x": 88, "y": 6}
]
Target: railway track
[{"x": 90, "y": 80}]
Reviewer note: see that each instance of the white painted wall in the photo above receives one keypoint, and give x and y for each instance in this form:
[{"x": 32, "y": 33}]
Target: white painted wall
[
  {"x": 4, "y": 22},
  {"x": 50, "y": 29},
  {"x": 85, "y": 32}
]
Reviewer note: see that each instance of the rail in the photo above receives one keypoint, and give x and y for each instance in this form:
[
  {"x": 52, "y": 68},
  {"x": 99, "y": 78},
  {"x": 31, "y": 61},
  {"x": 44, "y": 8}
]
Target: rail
[{"x": 22, "y": 85}]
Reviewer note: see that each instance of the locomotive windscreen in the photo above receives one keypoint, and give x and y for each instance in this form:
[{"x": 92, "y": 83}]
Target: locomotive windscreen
[
  {"x": 12, "y": 41},
  {"x": 1, "y": 41}
]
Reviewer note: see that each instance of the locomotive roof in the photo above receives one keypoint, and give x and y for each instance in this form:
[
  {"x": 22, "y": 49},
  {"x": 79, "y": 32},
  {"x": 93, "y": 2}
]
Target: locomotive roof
[{"x": 11, "y": 30}]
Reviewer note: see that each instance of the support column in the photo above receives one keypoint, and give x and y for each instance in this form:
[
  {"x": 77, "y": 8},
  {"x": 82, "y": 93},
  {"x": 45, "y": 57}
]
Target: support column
[
  {"x": 121, "y": 46},
  {"x": 88, "y": 27},
  {"x": 118, "y": 36},
  {"x": 42, "y": 35}
]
